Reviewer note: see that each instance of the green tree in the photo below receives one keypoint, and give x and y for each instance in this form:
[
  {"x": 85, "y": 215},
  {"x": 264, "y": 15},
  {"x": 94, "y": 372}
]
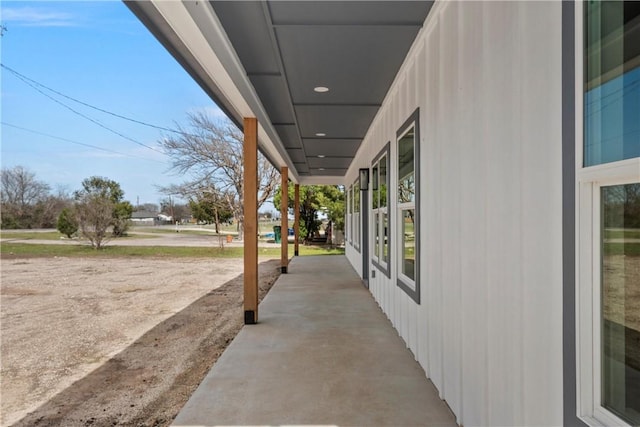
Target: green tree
[
  {"x": 331, "y": 198},
  {"x": 211, "y": 208},
  {"x": 100, "y": 205},
  {"x": 122, "y": 212},
  {"x": 67, "y": 223},
  {"x": 313, "y": 199}
]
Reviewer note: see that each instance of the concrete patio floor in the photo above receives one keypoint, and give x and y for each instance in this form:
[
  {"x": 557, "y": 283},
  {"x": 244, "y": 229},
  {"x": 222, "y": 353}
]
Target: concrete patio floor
[{"x": 323, "y": 353}]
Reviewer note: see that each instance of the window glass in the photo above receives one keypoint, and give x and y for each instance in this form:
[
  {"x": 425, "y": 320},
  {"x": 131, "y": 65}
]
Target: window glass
[
  {"x": 385, "y": 237},
  {"x": 375, "y": 194},
  {"x": 356, "y": 215},
  {"x": 350, "y": 214},
  {"x": 408, "y": 244},
  {"x": 620, "y": 322},
  {"x": 612, "y": 81},
  {"x": 379, "y": 211},
  {"x": 356, "y": 198},
  {"x": 347, "y": 214},
  {"x": 376, "y": 231},
  {"x": 406, "y": 176},
  {"x": 382, "y": 187}
]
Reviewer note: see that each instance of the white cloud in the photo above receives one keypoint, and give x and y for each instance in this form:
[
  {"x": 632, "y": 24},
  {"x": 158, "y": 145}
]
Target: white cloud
[
  {"x": 37, "y": 17},
  {"x": 96, "y": 155}
]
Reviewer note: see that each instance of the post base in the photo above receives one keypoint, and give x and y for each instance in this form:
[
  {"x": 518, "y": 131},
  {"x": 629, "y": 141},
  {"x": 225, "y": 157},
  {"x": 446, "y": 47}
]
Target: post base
[{"x": 250, "y": 317}]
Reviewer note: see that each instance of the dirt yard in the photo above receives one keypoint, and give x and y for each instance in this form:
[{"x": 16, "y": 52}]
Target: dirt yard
[{"x": 107, "y": 342}]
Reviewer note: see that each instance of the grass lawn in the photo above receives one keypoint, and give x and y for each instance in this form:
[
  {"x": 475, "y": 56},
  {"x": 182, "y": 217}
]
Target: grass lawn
[
  {"x": 619, "y": 234},
  {"x": 263, "y": 227},
  {"x": 36, "y": 250},
  {"x": 53, "y": 235},
  {"x": 32, "y": 235},
  {"x": 628, "y": 249},
  {"x": 203, "y": 232}
]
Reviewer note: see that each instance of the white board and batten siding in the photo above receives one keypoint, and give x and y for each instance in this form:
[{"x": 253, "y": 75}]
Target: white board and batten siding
[{"x": 486, "y": 77}]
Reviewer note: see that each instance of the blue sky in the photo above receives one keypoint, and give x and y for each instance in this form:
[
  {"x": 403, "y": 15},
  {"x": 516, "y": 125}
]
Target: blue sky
[{"x": 99, "y": 53}]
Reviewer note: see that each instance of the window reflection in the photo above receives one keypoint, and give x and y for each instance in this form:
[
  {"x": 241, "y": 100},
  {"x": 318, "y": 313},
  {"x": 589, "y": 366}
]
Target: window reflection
[
  {"x": 383, "y": 182},
  {"x": 621, "y": 301},
  {"x": 406, "y": 182},
  {"x": 409, "y": 244},
  {"x": 385, "y": 237},
  {"x": 375, "y": 194},
  {"x": 612, "y": 81},
  {"x": 376, "y": 230},
  {"x": 380, "y": 251}
]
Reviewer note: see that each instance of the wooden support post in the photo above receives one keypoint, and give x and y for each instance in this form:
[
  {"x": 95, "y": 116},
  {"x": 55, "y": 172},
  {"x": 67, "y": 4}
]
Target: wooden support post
[
  {"x": 296, "y": 216},
  {"x": 250, "y": 200},
  {"x": 284, "y": 220}
]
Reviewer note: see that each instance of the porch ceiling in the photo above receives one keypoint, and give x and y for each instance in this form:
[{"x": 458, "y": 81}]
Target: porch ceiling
[{"x": 285, "y": 49}]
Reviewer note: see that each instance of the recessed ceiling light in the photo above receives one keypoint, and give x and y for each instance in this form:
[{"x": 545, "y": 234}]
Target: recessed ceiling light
[
  {"x": 321, "y": 134},
  {"x": 320, "y": 169},
  {"x": 321, "y": 89},
  {"x": 322, "y": 156}
]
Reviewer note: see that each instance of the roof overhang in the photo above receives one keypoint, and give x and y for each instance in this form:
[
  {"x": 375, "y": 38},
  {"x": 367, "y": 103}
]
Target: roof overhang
[{"x": 263, "y": 59}]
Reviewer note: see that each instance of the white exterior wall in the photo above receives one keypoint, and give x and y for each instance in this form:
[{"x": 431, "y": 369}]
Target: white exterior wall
[
  {"x": 488, "y": 332},
  {"x": 354, "y": 257}
]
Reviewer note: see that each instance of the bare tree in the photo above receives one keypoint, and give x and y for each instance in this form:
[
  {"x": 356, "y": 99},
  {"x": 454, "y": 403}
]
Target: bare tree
[
  {"x": 95, "y": 216},
  {"x": 21, "y": 188},
  {"x": 177, "y": 211},
  {"x": 100, "y": 205},
  {"x": 211, "y": 152},
  {"x": 49, "y": 209},
  {"x": 20, "y": 193}
]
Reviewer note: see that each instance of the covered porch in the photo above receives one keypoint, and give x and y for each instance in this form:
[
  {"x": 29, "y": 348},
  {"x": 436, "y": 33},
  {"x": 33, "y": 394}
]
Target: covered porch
[{"x": 323, "y": 353}]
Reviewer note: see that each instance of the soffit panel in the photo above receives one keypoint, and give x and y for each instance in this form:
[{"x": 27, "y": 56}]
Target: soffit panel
[
  {"x": 338, "y": 147},
  {"x": 328, "y": 172},
  {"x": 302, "y": 168},
  {"x": 297, "y": 155},
  {"x": 272, "y": 91},
  {"x": 344, "y": 121},
  {"x": 247, "y": 28},
  {"x": 357, "y": 63},
  {"x": 353, "y": 47},
  {"x": 330, "y": 162},
  {"x": 349, "y": 12},
  {"x": 289, "y": 136}
]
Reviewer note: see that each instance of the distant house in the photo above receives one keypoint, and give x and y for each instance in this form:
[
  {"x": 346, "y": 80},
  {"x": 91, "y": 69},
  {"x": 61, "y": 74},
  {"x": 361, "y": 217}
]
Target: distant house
[
  {"x": 164, "y": 218},
  {"x": 150, "y": 218},
  {"x": 144, "y": 218}
]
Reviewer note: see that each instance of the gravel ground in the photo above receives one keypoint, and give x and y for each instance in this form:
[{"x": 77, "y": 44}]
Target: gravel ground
[{"x": 107, "y": 342}]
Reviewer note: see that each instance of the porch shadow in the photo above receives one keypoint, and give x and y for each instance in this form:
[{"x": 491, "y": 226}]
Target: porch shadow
[{"x": 147, "y": 383}]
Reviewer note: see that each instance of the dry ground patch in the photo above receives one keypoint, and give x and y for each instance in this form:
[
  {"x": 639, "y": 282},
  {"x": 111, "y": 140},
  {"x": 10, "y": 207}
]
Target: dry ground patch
[{"x": 120, "y": 341}]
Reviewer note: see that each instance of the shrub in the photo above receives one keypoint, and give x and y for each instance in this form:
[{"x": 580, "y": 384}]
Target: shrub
[{"x": 67, "y": 223}]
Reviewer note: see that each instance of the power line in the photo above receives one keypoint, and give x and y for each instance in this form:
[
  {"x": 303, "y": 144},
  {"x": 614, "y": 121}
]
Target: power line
[
  {"x": 26, "y": 81},
  {"x": 77, "y": 142},
  {"x": 102, "y": 110}
]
